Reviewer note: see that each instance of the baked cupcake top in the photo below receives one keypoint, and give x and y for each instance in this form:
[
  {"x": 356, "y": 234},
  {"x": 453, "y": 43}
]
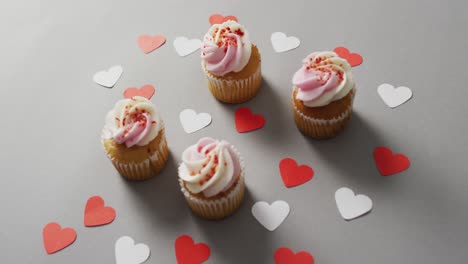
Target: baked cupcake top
[
  {"x": 133, "y": 121},
  {"x": 226, "y": 48},
  {"x": 323, "y": 78},
  {"x": 210, "y": 166}
]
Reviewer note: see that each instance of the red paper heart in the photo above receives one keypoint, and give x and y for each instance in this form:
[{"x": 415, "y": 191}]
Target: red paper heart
[
  {"x": 149, "y": 43},
  {"x": 389, "y": 164},
  {"x": 294, "y": 175},
  {"x": 354, "y": 59},
  {"x": 55, "y": 238},
  {"x": 187, "y": 252},
  {"x": 146, "y": 91},
  {"x": 219, "y": 19},
  {"x": 286, "y": 256},
  {"x": 246, "y": 121},
  {"x": 96, "y": 213}
]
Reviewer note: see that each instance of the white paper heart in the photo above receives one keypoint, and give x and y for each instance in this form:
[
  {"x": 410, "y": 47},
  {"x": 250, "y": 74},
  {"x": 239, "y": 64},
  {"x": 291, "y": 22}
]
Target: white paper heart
[
  {"x": 108, "y": 78},
  {"x": 270, "y": 216},
  {"x": 185, "y": 46},
  {"x": 282, "y": 43},
  {"x": 192, "y": 122},
  {"x": 352, "y": 206},
  {"x": 392, "y": 96},
  {"x": 126, "y": 252}
]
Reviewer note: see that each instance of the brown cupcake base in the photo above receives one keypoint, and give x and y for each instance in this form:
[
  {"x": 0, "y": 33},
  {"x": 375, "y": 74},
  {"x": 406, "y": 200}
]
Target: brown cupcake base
[
  {"x": 323, "y": 122},
  {"x": 219, "y": 206},
  {"x": 139, "y": 163},
  {"x": 237, "y": 87}
]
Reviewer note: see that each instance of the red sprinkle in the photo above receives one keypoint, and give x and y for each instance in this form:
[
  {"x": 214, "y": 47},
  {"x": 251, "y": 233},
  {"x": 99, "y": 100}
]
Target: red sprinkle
[{"x": 239, "y": 32}]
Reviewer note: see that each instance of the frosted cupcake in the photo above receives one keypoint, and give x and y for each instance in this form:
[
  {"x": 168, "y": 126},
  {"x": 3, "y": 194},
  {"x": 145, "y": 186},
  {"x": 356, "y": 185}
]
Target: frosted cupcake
[
  {"x": 211, "y": 178},
  {"x": 231, "y": 63},
  {"x": 134, "y": 138},
  {"x": 323, "y": 95}
]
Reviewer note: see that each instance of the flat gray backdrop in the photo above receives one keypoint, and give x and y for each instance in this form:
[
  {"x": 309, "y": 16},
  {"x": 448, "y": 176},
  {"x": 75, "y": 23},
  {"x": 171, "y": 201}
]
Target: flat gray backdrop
[{"x": 52, "y": 114}]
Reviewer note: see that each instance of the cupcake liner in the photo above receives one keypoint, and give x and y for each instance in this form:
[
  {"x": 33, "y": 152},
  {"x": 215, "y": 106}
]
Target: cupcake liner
[
  {"x": 146, "y": 169},
  {"x": 219, "y": 208},
  {"x": 234, "y": 91},
  {"x": 323, "y": 128}
]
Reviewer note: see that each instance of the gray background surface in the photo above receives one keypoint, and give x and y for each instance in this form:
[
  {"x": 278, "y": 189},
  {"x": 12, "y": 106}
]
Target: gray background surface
[{"x": 52, "y": 114}]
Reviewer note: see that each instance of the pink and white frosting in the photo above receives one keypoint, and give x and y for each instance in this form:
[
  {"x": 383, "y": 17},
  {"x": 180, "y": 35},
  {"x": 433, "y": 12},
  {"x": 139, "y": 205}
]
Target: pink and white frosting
[
  {"x": 226, "y": 48},
  {"x": 209, "y": 167},
  {"x": 323, "y": 78},
  {"x": 133, "y": 121}
]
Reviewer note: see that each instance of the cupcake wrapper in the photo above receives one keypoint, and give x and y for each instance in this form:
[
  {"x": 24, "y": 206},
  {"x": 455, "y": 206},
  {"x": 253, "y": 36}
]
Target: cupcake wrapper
[
  {"x": 234, "y": 91},
  {"x": 140, "y": 171},
  {"x": 220, "y": 208},
  {"x": 323, "y": 128}
]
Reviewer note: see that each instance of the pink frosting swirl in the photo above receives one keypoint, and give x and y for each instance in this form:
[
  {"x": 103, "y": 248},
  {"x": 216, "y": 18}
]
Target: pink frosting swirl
[
  {"x": 226, "y": 48},
  {"x": 210, "y": 166},
  {"x": 323, "y": 78},
  {"x": 133, "y": 122}
]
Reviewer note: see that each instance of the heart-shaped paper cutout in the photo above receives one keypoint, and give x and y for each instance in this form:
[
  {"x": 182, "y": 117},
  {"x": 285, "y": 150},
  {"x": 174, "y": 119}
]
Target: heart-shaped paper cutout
[
  {"x": 285, "y": 255},
  {"x": 282, "y": 43},
  {"x": 219, "y": 19},
  {"x": 126, "y": 252},
  {"x": 246, "y": 121},
  {"x": 108, "y": 78},
  {"x": 387, "y": 163},
  {"x": 270, "y": 216},
  {"x": 352, "y": 206},
  {"x": 55, "y": 238},
  {"x": 192, "y": 122},
  {"x": 354, "y": 59},
  {"x": 149, "y": 43},
  {"x": 294, "y": 175},
  {"x": 187, "y": 252},
  {"x": 392, "y": 96},
  {"x": 96, "y": 213},
  {"x": 185, "y": 46},
  {"x": 146, "y": 91}
]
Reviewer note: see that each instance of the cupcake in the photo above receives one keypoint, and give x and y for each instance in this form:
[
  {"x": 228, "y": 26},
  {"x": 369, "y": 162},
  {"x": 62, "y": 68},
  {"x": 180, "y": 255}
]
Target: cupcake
[
  {"x": 211, "y": 178},
  {"x": 323, "y": 95},
  {"x": 231, "y": 63},
  {"x": 134, "y": 139}
]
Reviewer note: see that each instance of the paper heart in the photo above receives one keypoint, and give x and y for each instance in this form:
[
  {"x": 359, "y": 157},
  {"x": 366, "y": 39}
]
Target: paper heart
[
  {"x": 126, "y": 252},
  {"x": 108, "y": 78},
  {"x": 387, "y": 163},
  {"x": 282, "y": 43},
  {"x": 271, "y": 216},
  {"x": 246, "y": 121},
  {"x": 352, "y": 206},
  {"x": 392, "y": 96},
  {"x": 149, "y": 43},
  {"x": 185, "y": 46},
  {"x": 146, "y": 91},
  {"x": 285, "y": 255},
  {"x": 294, "y": 175},
  {"x": 96, "y": 213},
  {"x": 55, "y": 238},
  {"x": 187, "y": 252},
  {"x": 192, "y": 122},
  {"x": 219, "y": 19},
  {"x": 354, "y": 59}
]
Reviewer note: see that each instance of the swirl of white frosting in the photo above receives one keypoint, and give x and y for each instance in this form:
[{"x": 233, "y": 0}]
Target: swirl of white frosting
[
  {"x": 323, "y": 78},
  {"x": 133, "y": 121},
  {"x": 226, "y": 48},
  {"x": 210, "y": 166}
]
